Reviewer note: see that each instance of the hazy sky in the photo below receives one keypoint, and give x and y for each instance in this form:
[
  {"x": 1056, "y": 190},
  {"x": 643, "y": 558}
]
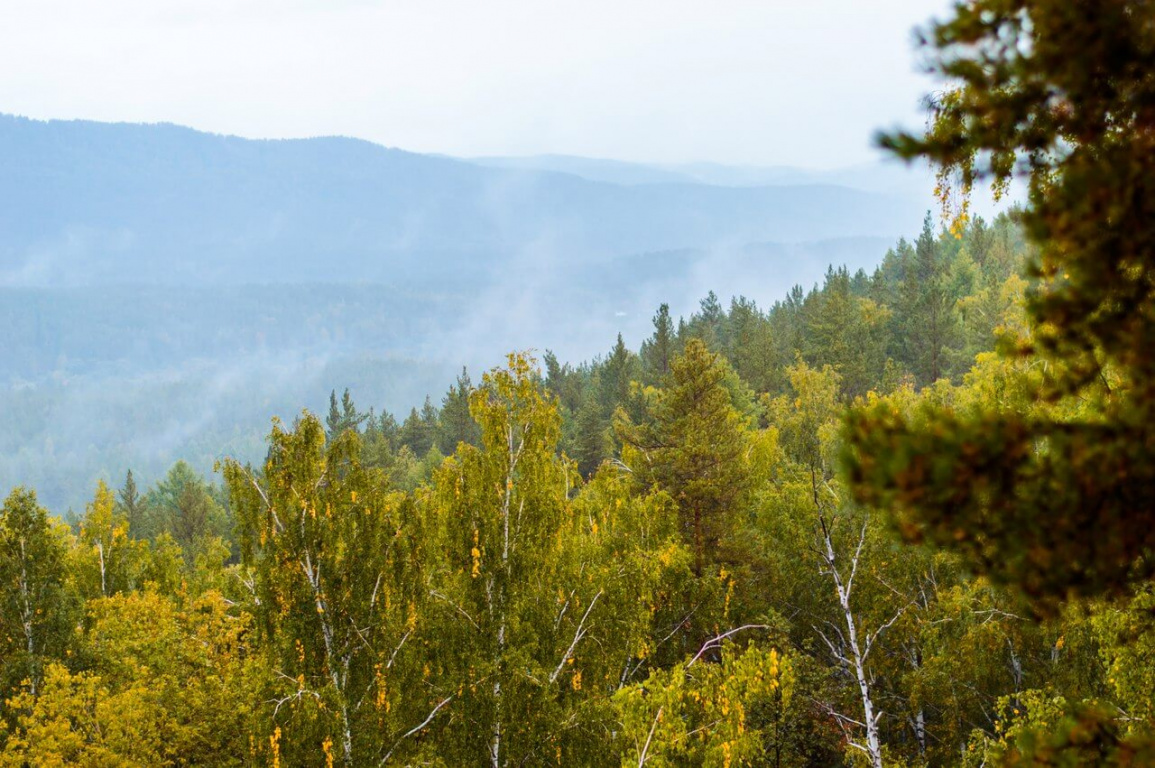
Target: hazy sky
[{"x": 797, "y": 82}]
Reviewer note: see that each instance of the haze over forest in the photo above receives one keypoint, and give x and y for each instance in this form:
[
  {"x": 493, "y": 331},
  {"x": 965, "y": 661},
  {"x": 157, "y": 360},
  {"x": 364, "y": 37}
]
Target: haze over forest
[
  {"x": 165, "y": 291},
  {"x": 629, "y": 411}
]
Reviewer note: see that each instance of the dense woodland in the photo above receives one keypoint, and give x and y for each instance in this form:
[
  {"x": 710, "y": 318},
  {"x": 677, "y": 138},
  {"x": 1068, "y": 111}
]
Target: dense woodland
[
  {"x": 648, "y": 558},
  {"x": 906, "y": 518}
]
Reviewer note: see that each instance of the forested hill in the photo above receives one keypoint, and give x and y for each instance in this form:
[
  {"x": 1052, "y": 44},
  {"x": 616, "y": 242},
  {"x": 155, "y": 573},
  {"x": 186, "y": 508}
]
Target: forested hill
[
  {"x": 84, "y": 202},
  {"x": 163, "y": 291},
  {"x": 644, "y": 559}
]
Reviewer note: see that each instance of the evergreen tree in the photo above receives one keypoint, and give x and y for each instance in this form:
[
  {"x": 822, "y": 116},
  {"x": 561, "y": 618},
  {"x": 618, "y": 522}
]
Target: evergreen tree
[
  {"x": 418, "y": 432},
  {"x": 615, "y": 376},
  {"x": 708, "y": 324},
  {"x": 381, "y": 440},
  {"x": 1055, "y": 502},
  {"x": 390, "y": 429},
  {"x": 455, "y": 423},
  {"x": 563, "y": 382},
  {"x": 342, "y": 417},
  {"x": 930, "y": 321},
  {"x": 752, "y": 345},
  {"x": 132, "y": 506},
  {"x": 590, "y": 444},
  {"x": 182, "y": 506},
  {"x": 196, "y": 518},
  {"x": 693, "y": 448},
  {"x": 658, "y": 350}
]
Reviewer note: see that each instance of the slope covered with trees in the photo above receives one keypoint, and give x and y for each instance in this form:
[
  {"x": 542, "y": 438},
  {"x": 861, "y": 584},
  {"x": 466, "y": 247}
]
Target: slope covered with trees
[
  {"x": 648, "y": 558},
  {"x": 654, "y": 558}
]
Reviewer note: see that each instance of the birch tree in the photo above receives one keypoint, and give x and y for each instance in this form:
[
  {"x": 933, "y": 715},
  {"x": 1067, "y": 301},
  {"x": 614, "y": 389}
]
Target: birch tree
[
  {"x": 106, "y": 559},
  {"x": 699, "y": 712},
  {"x": 542, "y": 602},
  {"x": 37, "y": 610},
  {"x": 336, "y": 566},
  {"x": 843, "y": 539}
]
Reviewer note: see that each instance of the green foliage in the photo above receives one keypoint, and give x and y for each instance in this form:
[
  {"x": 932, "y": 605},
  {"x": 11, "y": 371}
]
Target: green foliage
[
  {"x": 343, "y": 417},
  {"x": 512, "y": 611},
  {"x": 108, "y": 560},
  {"x": 456, "y": 425},
  {"x": 735, "y": 712},
  {"x": 658, "y": 350},
  {"x": 693, "y": 448},
  {"x": 37, "y": 609},
  {"x": 170, "y": 685},
  {"x": 131, "y": 505},
  {"x": 336, "y": 565},
  {"x": 654, "y": 548},
  {"x": 1046, "y": 730},
  {"x": 1056, "y": 502}
]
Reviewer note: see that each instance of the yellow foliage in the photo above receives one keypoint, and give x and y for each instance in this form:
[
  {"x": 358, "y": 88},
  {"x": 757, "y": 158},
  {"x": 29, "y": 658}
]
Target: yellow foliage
[{"x": 327, "y": 748}]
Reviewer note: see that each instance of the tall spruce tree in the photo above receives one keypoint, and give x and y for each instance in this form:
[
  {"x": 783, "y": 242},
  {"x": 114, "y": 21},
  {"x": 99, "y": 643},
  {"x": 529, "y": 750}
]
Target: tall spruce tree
[
  {"x": 693, "y": 448},
  {"x": 928, "y": 321},
  {"x": 658, "y": 350},
  {"x": 615, "y": 376},
  {"x": 344, "y": 416},
  {"x": 455, "y": 425},
  {"x": 131, "y": 505},
  {"x": 418, "y": 432}
]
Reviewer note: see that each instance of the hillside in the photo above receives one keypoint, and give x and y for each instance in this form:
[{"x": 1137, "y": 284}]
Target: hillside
[
  {"x": 84, "y": 202},
  {"x": 331, "y": 263}
]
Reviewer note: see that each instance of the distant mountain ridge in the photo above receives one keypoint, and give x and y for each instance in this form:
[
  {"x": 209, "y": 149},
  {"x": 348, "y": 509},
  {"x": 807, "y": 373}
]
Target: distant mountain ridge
[
  {"x": 886, "y": 177},
  {"x": 97, "y": 203},
  {"x": 164, "y": 291}
]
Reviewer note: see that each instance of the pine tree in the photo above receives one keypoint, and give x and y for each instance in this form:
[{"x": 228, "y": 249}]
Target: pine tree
[
  {"x": 455, "y": 424},
  {"x": 590, "y": 444},
  {"x": 658, "y": 350},
  {"x": 132, "y": 506},
  {"x": 847, "y": 332},
  {"x": 430, "y": 419},
  {"x": 709, "y": 324},
  {"x": 752, "y": 354},
  {"x": 930, "y": 319},
  {"x": 182, "y": 506},
  {"x": 333, "y": 420},
  {"x": 1056, "y": 502},
  {"x": 615, "y": 376},
  {"x": 418, "y": 432},
  {"x": 343, "y": 417},
  {"x": 693, "y": 448}
]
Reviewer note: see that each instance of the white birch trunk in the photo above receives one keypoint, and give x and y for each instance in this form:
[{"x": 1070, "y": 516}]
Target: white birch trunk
[
  {"x": 27, "y": 612},
  {"x": 869, "y": 717}
]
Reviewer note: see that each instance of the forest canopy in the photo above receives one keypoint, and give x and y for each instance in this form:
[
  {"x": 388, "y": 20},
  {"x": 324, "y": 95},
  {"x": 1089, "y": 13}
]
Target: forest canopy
[
  {"x": 648, "y": 558},
  {"x": 903, "y": 518}
]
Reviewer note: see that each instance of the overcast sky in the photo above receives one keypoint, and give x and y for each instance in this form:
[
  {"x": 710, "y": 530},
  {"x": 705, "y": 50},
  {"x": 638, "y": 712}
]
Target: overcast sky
[{"x": 765, "y": 82}]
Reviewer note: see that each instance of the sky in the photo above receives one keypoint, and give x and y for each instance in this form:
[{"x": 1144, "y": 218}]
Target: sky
[{"x": 744, "y": 82}]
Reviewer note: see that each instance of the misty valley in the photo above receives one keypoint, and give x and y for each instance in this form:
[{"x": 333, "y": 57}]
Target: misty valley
[{"x": 507, "y": 453}]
